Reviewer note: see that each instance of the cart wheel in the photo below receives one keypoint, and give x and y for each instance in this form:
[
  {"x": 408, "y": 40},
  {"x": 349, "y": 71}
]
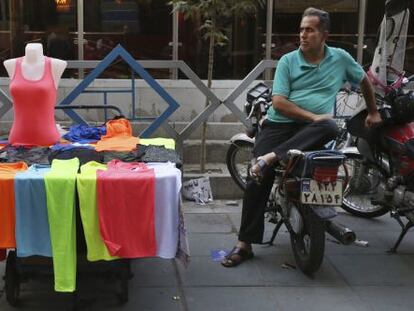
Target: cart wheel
[
  {"x": 11, "y": 279},
  {"x": 123, "y": 295}
]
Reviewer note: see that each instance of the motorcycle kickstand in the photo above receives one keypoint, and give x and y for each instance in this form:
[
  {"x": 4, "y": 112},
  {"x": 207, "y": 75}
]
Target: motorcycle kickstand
[
  {"x": 404, "y": 231},
  {"x": 275, "y": 231}
]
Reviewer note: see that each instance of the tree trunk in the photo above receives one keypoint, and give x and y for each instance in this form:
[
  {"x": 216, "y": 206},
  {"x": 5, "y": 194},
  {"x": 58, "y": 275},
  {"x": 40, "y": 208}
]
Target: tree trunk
[
  {"x": 203, "y": 153},
  {"x": 16, "y": 29}
]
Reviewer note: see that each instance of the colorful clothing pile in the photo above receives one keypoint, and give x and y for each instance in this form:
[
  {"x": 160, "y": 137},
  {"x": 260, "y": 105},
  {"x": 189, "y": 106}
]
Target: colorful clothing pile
[{"x": 128, "y": 210}]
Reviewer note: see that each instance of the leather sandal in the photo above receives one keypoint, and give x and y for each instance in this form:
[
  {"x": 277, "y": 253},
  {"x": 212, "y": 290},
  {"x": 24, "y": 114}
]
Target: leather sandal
[{"x": 236, "y": 257}]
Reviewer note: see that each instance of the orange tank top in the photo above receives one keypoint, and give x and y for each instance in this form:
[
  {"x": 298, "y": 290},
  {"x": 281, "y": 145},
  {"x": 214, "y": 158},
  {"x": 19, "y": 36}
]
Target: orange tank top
[
  {"x": 34, "y": 108},
  {"x": 7, "y": 211}
]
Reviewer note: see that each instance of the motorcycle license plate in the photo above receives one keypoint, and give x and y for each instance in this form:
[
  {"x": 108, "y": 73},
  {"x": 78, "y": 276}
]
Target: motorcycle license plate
[{"x": 321, "y": 193}]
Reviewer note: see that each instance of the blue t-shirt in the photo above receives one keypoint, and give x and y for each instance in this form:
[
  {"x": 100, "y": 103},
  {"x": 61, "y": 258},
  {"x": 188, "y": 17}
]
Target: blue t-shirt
[
  {"x": 32, "y": 225},
  {"x": 313, "y": 87}
]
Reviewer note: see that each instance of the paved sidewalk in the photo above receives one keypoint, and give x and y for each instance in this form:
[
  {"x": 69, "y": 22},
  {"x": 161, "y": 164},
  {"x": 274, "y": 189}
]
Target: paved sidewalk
[{"x": 351, "y": 277}]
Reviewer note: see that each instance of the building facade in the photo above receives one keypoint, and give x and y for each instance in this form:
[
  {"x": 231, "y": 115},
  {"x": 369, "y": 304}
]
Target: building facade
[{"x": 88, "y": 30}]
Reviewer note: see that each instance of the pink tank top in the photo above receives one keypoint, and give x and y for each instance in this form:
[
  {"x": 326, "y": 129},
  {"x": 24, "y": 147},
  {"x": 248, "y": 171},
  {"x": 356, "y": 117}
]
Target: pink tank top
[{"x": 34, "y": 108}]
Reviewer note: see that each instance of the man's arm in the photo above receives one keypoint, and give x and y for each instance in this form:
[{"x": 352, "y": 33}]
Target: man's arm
[
  {"x": 367, "y": 90},
  {"x": 292, "y": 111}
]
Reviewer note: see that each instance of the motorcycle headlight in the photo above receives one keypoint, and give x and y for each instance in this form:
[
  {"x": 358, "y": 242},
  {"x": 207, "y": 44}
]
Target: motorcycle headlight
[{"x": 403, "y": 108}]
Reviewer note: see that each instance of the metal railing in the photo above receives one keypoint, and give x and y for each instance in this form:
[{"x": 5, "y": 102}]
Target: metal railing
[{"x": 184, "y": 134}]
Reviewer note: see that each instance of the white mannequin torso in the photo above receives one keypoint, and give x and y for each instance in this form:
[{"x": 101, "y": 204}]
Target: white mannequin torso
[{"x": 33, "y": 64}]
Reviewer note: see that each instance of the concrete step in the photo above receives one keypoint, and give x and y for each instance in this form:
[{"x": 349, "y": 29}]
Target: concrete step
[
  {"x": 215, "y": 130},
  {"x": 216, "y": 151},
  {"x": 222, "y": 185}
]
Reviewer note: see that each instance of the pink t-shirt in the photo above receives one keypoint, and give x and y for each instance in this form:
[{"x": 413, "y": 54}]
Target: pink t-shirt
[
  {"x": 126, "y": 200},
  {"x": 34, "y": 108}
]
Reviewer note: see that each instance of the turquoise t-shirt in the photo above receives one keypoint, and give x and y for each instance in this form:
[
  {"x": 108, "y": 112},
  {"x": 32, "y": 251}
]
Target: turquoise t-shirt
[
  {"x": 32, "y": 225},
  {"x": 313, "y": 87}
]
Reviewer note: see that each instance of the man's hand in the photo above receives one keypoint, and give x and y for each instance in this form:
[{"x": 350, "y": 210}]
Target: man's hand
[
  {"x": 320, "y": 117},
  {"x": 292, "y": 111},
  {"x": 367, "y": 90},
  {"x": 373, "y": 118}
]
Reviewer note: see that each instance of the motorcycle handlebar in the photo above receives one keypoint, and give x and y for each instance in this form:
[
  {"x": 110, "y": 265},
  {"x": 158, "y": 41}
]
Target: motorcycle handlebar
[{"x": 260, "y": 104}]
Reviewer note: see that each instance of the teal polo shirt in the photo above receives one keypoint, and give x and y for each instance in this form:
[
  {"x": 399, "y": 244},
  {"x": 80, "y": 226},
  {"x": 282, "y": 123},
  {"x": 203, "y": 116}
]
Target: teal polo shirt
[{"x": 313, "y": 87}]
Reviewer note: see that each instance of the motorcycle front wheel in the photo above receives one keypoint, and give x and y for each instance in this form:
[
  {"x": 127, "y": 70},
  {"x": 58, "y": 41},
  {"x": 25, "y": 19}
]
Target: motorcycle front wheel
[
  {"x": 307, "y": 238},
  {"x": 362, "y": 188},
  {"x": 238, "y": 160}
]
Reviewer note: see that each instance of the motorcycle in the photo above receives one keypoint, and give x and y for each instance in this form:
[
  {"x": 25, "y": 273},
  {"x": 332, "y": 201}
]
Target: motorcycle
[
  {"x": 258, "y": 100},
  {"x": 382, "y": 171},
  {"x": 305, "y": 192}
]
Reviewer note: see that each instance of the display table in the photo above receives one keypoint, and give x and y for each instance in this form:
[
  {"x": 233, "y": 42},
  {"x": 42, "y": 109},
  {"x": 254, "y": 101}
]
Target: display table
[{"x": 45, "y": 211}]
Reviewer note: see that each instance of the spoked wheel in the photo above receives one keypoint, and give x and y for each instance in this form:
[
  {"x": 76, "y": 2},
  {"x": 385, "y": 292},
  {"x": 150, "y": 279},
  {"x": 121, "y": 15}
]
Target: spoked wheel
[
  {"x": 307, "y": 238},
  {"x": 362, "y": 189},
  {"x": 238, "y": 160},
  {"x": 12, "y": 279}
]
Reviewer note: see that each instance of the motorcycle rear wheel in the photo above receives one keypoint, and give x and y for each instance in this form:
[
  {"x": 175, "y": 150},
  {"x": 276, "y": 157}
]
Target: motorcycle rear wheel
[
  {"x": 308, "y": 244},
  {"x": 357, "y": 200},
  {"x": 238, "y": 160}
]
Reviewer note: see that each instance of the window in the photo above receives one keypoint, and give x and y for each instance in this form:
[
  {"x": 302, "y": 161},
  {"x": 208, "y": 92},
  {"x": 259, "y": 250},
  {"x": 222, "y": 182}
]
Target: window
[
  {"x": 234, "y": 60},
  {"x": 44, "y": 21},
  {"x": 287, "y": 16},
  {"x": 143, "y": 28}
]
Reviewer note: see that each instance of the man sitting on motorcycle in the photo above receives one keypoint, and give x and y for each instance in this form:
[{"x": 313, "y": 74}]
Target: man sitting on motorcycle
[{"x": 304, "y": 92}]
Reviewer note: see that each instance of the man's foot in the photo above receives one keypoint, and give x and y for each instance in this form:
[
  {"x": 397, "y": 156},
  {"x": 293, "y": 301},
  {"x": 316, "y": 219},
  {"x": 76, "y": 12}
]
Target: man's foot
[
  {"x": 237, "y": 256},
  {"x": 259, "y": 168}
]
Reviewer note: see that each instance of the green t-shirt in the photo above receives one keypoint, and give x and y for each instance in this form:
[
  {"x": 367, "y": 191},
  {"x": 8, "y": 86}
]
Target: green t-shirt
[
  {"x": 60, "y": 183},
  {"x": 86, "y": 183},
  {"x": 313, "y": 87}
]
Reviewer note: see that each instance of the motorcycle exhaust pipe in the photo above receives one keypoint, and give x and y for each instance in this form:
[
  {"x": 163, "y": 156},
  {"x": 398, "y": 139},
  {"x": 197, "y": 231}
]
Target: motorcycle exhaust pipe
[{"x": 341, "y": 233}]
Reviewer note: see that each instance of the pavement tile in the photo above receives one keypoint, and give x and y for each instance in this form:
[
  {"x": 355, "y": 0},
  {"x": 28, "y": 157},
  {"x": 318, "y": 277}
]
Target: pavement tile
[
  {"x": 395, "y": 298},
  {"x": 380, "y": 224},
  {"x": 230, "y": 299},
  {"x": 389, "y": 239},
  {"x": 156, "y": 299},
  {"x": 194, "y": 208},
  {"x": 273, "y": 273},
  {"x": 201, "y": 244},
  {"x": 155, "y": 272},
  {"x": 202, "y": 223},
  {"x": 235, "y": 220},
  {"x": 340, "y": 298},
  {"x": 161, "y": 298},
  {"x": 375, "y": 244},
  {"x": 350, "y": 278},
  {"x": 281, "y": 244},
  {"x": 203, "y": 271},
  {"x": 215, "y": 207},
  {"x": 383, "y": 270}
]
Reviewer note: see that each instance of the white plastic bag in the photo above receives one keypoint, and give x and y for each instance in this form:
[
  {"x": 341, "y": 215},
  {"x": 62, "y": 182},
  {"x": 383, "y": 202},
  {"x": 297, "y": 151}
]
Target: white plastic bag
[{"x": 198, "y": 190}]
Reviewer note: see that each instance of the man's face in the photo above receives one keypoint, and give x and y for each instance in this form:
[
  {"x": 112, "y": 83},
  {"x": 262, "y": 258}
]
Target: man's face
[{"x": 311, "y": 38}]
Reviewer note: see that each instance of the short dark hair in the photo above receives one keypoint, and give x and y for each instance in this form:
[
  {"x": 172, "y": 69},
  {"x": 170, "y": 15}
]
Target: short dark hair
[{"x": 324, "y": 20}]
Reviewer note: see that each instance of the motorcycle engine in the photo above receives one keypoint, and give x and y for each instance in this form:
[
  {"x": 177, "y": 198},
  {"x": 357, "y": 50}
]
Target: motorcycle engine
[{"x": 397, "y": 195}]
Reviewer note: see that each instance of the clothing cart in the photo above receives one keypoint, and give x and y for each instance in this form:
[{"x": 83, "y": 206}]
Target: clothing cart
[{"x": 19, "y": 270}]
